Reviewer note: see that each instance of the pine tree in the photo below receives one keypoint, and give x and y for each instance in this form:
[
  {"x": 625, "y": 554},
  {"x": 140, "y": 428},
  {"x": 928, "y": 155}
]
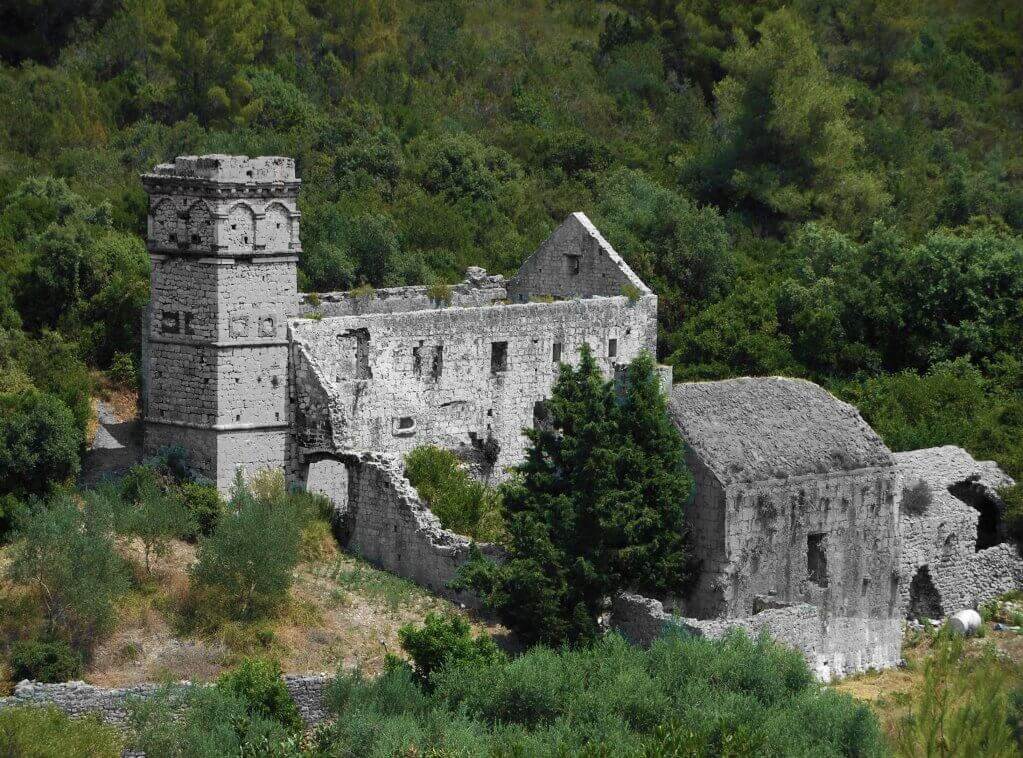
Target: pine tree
[{"x": 595, "y": 508}]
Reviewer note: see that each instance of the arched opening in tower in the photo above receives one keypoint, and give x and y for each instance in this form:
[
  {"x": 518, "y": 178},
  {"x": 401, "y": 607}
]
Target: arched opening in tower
[
  {"x": 924, "y": 598},
  {"x": 989, "y": 531}
]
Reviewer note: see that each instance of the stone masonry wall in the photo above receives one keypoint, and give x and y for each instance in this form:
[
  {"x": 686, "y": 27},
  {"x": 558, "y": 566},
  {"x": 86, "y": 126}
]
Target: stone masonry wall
[
  {"x": 461, "y": 378},
  {"x": 382, "y": 518},
  {"x": 830, "y": 540},
  {"x": 833, "y": 646},
  {"x": 111, "y": 705},
  {"x": 943, "y": 537}
]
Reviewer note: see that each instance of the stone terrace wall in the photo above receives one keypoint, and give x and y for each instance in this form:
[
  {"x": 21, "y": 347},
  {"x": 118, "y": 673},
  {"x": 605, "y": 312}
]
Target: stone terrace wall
[
  {"x": 111, "y": 705},
  {"x": 382, "y": 518},
  {"x": 833, "y": 647}
]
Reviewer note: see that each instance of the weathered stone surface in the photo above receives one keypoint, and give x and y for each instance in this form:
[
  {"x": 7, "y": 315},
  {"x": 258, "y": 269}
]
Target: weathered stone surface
[{"x": 834, "y": 646}]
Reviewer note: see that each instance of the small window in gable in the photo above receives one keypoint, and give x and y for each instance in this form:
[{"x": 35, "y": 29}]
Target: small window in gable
[{"x": 572, "y": 264}]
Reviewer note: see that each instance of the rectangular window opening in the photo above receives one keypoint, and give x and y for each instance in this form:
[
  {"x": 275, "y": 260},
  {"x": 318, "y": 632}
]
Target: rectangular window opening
[
  {"x": 437, "y": 367},
  {"x": 817, "y": 559},
  {"x": 498, "y": 357},
  {"x": 169, "y": 323},
  {"x": 572, "y": 264},
  {"x": 612, "y": 348},
  {"x": 556, "y": 353},
  {"x": 417, "y": 362}
]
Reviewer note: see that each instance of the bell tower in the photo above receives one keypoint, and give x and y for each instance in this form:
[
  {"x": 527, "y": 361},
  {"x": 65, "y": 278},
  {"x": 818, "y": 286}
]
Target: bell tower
[{"x": 223, "y": 239}]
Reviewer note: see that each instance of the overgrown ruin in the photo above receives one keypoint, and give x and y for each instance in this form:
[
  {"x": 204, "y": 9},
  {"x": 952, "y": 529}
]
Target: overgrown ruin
[{"x": 801, "y": 522}]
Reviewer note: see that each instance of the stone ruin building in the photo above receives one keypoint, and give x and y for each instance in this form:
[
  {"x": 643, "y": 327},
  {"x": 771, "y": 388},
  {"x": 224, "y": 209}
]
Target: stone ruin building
[{"x": 804, "y": 524}]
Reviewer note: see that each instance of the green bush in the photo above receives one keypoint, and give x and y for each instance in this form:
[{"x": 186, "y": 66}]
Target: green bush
[
  {"x": 462, "y": 504},
  {"x": 684, "y": 696},
  {"x": 258, "y": 682},
  {"x": 205, "y": 505},
  {"x": 67, "y": 553},
  {"x": 1013, "y": 499},
  {"x": 445, "y": 641},
  {"x": 46, "y": 732},
  {"x": 44, "y": 661},
  {"x": 244, "y": 569},
  {"x": 123, "y": 371},
  {"x": 155, "y": 515},
  {"x": 40, "y": 443}
]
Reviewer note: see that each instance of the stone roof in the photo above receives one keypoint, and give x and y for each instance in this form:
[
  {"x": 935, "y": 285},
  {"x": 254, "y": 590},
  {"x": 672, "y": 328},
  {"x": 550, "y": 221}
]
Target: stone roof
[{"x": 756, "y": 429}]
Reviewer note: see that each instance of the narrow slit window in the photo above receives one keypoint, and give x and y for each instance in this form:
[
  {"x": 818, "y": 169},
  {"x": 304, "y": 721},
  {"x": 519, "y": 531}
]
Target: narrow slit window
[
  {"x": 556, "y": 353},
  {"x": 817, "y": 559},
  {"x": 417, "y": 362},
  {"x": 498, "y": 357},
  {"x": 437, "y": 367},
  {"x": 612, "y": 348}
]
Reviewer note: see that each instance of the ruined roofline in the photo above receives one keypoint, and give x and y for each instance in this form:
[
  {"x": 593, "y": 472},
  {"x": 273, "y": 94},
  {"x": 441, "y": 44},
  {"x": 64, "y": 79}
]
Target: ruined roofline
[
  {"x": 611, "y": 253},
  {"x": 759, "y": 429},
  {"x": 218, "y": 167}
]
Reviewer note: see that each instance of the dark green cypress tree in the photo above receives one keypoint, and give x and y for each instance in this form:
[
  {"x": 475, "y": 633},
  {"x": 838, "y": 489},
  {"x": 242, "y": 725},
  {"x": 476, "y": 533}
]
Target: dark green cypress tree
[{"x": 596, "y": 507}]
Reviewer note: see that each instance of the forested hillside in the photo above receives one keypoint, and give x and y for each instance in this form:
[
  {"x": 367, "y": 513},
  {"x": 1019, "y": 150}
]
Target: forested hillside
[{"x": 820, "y": 188}]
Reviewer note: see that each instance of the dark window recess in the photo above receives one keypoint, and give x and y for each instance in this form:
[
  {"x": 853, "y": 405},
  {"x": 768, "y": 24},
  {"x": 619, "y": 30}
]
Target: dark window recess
[
  {"x": 572, "y": 264},
  {"x": 417, "y": 361},
  {"x": 817, "y": 559},
  {"x": 196, "y": 239},
  {"x": 556, "y": 353},
  {"x": 406, "y": 422},
  {"x": 612, "y": 348},
  {"x": 173, "y": 237},
  {"x": 924, "y": 598},
  {"x": 437, "y": 367},
  {"x": 169, "y": 323},
  {"x": 498, "y": 357},
  {"x": 246, "y": 238},
  {"x": 362, "y": 369},
  {"x": 189, "y": 325},
  {"x": 989, "y": 531}
]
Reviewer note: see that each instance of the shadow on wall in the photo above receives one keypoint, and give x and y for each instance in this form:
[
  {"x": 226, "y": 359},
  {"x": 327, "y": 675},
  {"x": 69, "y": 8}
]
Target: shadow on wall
[
  {"x": 990, "y": 529},
  {"x": 924, "y": 598}
]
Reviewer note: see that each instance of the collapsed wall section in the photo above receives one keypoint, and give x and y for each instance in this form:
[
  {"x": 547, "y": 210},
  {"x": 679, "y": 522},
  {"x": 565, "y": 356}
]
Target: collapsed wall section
[
  {"x": 833, "y": 646},
  {"x": 945, "y": 566},
  {"x": 380, "y": 516},
  {"x": 467, "y": 379}
]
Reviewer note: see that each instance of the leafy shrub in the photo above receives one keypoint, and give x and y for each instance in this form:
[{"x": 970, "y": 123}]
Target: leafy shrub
[
  {"x": 916, "y": 499},
  {"x": 46, "y": 732},
  {"x": 440, "y": 293},
  {"x": 205, "y": 506},
  {"x": 462, "y": 504},
  {"x": 203, "y": 721},
  {"x": 258, "y": 682},
  {"x": 44, "y": 661},
  {"x": 40, "y": 443},
  {"x": 68, "y": 554},
  {"x": 155, "y": 516},
  {"x": 965, "y": 701},
  {"x": 733, "y": 696},
  {"x": 445, "y": 641},
  {"x": 123, "y": 371},
  {"x": 244, "y": 569}
]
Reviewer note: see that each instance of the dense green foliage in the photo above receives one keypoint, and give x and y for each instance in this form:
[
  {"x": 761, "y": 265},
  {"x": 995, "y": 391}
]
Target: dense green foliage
[
  {"x": 39, "y": 443},
  {"x": 259, "y": 684},
  {"x": 444, "y": 642},
  {"x": 44, "y": 661},
  {"x": 37, "y": 732},
  {"x": 823, "y": 189},
  {"x": 462, "y": 503},
  {"x": 596, "y": 507},
  {"x": 244, "y": 568},
  {"x": 684, "y": 696}
]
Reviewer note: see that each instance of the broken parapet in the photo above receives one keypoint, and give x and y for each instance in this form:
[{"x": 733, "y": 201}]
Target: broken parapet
[
  {"x": 111, "y": 705},
  {"x": 833, "y": 647},
  {"x": 380, "y": 516}
]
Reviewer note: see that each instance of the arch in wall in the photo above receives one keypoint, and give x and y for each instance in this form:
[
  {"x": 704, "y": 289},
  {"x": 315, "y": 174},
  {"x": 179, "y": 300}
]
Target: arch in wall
[
  {"x": 240, "y": 233},
  {"x": 924, "y": 598},
  {"x": 200, "y": 226},
  {"x": 275, "y": 229},
  {"x": 165, "y": 229}
]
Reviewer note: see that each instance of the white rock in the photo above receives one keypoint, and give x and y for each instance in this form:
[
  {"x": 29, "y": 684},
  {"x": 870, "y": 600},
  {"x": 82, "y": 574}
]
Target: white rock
[{"x": 965, "y": 623}]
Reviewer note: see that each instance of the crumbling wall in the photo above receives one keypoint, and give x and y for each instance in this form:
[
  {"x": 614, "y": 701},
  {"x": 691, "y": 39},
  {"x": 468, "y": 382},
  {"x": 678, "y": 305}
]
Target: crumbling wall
[
  {"x": 833, "y": 646},
  {"x": 478, "y": 289},
  {"x": 575, "y": 261},
  {"x": 939, "y": 532},
  {"x": 111, "y": 705},
  {"x": 382, "y": 518},
  {"x": 829, "y": 539},
  {"x": 467, "y": 379}
]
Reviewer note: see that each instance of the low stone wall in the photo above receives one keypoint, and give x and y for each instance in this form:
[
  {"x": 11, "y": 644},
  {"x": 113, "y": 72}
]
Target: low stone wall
[
  {"x": 111, "y": 705},
  {"x": 383, "y": 519},
  {"x": 833, "y": 647}
]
